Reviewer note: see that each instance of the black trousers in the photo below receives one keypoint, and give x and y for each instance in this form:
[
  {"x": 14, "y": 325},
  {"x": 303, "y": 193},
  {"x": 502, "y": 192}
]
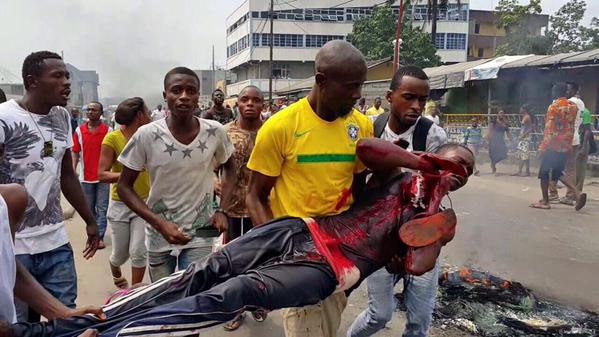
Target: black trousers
[
  {"x": 271, "y": 267},
  {"x": 238, "y": 227}
]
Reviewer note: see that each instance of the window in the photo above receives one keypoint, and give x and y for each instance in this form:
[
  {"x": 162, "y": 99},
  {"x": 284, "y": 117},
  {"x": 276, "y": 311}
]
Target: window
[
  {"x": 255, "y": 40},
  {"x": 255, "y": 14},
  {"x": 238, "y": 22},
  {"x": 477, "y": 28},
  {"x": 280, "y": 70},
  {"x": 481, "y": 52},
  {"x": 440, "y": 41},
  {"x": 456, "y": 41},
  {"x": 420, "y": 12},
  {"x": 317, "y": 41},
  {"x": 238, "y": 46},
  {"x": 279, "y": 40},
  {"x": 457, "y": 13}
]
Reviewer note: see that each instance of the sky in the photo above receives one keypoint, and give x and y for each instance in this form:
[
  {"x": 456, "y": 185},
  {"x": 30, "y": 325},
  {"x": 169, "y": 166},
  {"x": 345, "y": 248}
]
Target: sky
[{"x": 133, "y": 43}]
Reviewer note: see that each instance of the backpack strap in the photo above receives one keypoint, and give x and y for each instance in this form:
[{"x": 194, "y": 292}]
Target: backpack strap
[
  {"x": 379, "y": 124},
  {"x": 421, "y": 133}
]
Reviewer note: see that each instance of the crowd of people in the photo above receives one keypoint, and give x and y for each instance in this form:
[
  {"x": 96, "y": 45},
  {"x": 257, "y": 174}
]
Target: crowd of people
[{"x": 306, "y": 196}]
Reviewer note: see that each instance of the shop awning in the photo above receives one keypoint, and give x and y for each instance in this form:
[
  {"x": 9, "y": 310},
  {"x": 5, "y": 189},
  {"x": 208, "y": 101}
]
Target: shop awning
[{"x": 450, "y": 76}]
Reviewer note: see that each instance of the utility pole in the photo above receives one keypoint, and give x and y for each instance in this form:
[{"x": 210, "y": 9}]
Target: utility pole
[
  {"x": 213, "y": 71},
  {"x": 270, "y": 44},
  {"x": 398, "y": 36}
]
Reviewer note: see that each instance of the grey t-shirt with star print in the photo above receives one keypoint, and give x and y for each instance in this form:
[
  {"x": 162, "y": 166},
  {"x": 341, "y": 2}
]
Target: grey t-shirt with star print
[{"x": 181, "y": 176}]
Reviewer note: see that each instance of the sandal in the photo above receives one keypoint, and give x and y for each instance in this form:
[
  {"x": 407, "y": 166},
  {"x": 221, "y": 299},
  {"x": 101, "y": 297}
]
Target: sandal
[
  {"x": 120, "y": 282},
  {"x": 235, "y": 323},
  {"x": 582, "y": 200}
]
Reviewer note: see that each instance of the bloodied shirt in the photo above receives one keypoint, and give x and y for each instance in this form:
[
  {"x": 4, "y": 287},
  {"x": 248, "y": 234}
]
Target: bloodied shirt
[
  {"x": 243, "y": 141},
  {"x": 314, "y": 160},
  {"x": 181, "y": 176},
  {"x": 28, "y": 162},
  {"x": 368, "y": 233}
]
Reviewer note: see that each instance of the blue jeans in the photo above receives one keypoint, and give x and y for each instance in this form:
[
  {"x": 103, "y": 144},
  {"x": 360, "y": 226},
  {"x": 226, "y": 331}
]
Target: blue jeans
[
  {"x": 420, "y": 296},
  {"x": 55, "y": 271},
  {"x": 162, "y": 264},
  {"x": 97, "y": 195}
]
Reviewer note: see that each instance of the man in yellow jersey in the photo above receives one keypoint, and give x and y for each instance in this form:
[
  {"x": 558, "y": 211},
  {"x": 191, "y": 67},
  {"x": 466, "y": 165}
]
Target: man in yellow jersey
[
  {"x": 304, "y": 164},
  {"x": 376, "y": 109}
]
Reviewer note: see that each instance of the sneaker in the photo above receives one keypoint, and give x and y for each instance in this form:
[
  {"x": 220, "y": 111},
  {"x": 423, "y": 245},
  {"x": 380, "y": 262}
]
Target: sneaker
[{"x": 566, "y": 201}]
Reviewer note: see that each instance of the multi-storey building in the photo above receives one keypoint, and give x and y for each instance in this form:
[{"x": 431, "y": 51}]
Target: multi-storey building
[
  {"x": 300, "y": 27},
  {"x": 452, "y": 28},
  {"x": 485, "y": 36},
  {"x": 84, "y": 85}
]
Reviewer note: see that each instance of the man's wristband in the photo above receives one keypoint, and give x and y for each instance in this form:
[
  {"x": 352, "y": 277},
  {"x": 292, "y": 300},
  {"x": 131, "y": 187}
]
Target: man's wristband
[{"x": 220, "y": 210}]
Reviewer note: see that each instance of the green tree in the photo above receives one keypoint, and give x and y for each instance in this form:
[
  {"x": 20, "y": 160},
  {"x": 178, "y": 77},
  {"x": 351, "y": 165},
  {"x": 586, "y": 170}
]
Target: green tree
[
  {"x": 591, "y": 34},
  {"x": 373, "y": 35},
  {"x": 519, "y": 39},
  {"x": 566, "y": 29}
]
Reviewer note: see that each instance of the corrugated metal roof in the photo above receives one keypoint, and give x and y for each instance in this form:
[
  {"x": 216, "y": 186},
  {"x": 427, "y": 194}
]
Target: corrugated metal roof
[
  {"x": 590, "y": 55},
  {"x": 551, "y": 60},
  {"x": 523, "y": 62},
  {"x": 450, "y": 76}
]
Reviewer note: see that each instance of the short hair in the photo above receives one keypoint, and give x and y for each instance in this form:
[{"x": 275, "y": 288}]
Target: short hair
[
  {"x": 560, "y": 89},
  {"x": 34, "y": 63},
  {"x": 181, "y": 71},
  {"x": 217, "y": 89},
  {"x": 96, "y": 102},
  {"x": 456, "y": 146},
  {"x": 377, "y": 98},
  {"x": 127, "y": 110},
  {"x": 574, "y": 85},
  {"x": 2, "y": 96},
  {"x": 402, "y": 71},
  {"x": 251, "y": 86}
]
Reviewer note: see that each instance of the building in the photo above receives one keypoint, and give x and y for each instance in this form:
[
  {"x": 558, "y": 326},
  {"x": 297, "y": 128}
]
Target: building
[
  {"x": 84, "y": 86},
  {"x": 302, "y": 26},
  {"x": 485, "y": 36},
  {"x": 11, "y": 84},
  {"x": 209, "y": 81},
  {"x": 452, "y": 28}
]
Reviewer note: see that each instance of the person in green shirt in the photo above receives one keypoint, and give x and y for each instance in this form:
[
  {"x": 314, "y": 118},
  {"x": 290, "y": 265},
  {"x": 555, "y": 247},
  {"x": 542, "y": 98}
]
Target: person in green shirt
[{"x": 588, "y": 146}]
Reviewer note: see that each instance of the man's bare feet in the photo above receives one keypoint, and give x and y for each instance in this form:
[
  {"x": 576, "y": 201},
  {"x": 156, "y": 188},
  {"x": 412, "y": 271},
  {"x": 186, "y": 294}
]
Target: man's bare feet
[{"x": 540, "y": 205}]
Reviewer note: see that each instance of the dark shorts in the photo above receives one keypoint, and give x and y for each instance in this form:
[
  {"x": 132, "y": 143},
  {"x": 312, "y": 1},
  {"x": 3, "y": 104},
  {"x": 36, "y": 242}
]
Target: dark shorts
[{"x": 553, "y": 164}]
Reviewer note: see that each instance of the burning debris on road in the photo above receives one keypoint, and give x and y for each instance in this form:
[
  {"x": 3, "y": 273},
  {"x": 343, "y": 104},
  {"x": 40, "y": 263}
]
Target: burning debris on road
[{"x": 486, "y": 305}]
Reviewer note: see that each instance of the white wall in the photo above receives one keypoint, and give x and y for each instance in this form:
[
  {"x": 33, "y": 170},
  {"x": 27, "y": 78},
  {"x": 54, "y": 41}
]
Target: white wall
[{"x": 277, "y": 84}]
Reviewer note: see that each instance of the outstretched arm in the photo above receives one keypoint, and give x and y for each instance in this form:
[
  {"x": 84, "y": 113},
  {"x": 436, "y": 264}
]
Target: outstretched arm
[
  {"x": 381, "y": 155},
  {"x": 27, "y": 288},
  {"x": 71, "y": 188}
]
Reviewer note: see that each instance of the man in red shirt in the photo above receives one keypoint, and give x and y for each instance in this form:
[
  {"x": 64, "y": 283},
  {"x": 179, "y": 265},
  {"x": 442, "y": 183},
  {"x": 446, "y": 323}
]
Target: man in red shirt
[
  {"x": 87, "y": 142},
  {"x": 557, "y": 144}
]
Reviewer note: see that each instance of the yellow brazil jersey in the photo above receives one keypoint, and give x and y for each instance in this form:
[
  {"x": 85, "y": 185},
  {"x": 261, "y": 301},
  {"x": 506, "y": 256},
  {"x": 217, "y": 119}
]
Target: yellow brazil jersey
[
  {"x": 314, "y": 160},
  {"x": 117, "y": 141},
  {"x": 374, "y": 111}
]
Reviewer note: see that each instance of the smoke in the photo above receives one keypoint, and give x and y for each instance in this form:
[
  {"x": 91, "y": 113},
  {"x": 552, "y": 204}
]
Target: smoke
[{"x": 131, "y": 44}]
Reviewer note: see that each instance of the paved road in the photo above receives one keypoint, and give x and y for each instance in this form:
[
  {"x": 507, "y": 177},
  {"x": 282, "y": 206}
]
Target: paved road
[{"x": 555, "y": 252}]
